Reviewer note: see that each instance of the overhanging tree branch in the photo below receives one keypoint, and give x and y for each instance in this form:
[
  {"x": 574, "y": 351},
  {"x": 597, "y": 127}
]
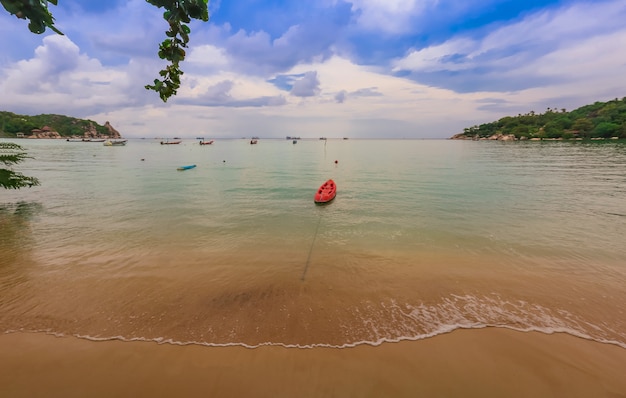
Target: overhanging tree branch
[
  {"x": 11, "y": 154},
  {"x": 177, "y": 13}
]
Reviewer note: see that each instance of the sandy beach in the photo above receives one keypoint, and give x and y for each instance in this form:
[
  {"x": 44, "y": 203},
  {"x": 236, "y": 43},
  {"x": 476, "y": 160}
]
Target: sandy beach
[{"x": 465, "y": 363}]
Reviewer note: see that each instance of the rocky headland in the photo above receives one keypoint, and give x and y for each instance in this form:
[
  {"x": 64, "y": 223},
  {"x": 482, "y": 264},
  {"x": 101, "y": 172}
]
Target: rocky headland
[
  {"x": 47, "y": 132},
  {"x": 597, "y": 121},
  {"x": 52, "y": 126}
]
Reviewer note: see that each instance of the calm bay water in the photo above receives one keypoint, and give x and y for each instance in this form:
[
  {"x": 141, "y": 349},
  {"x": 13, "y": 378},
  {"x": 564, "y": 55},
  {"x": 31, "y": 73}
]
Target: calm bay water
[{"x": 424, "y": 237}]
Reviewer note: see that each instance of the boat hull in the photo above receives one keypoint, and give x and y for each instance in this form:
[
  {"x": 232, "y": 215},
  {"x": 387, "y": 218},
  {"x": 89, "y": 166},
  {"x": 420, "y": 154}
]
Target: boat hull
[
  {"x": 114, "y": 143},
  {"x": 326, "y": 192}
]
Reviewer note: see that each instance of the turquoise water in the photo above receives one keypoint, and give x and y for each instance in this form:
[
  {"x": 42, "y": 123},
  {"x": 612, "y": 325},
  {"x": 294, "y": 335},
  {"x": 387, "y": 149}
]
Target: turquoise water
[{"x": 425, "y": 236}]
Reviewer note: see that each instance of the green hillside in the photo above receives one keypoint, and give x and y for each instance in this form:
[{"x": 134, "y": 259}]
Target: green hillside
[
  {"x": 11, "y": 124},
  {"x": 598, "y": 120}
]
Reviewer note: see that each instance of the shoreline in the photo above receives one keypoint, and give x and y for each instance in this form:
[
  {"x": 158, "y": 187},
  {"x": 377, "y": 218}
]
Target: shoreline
[
  {"x": 312, "y": 346},
  {"x": 466, "y": 362}
]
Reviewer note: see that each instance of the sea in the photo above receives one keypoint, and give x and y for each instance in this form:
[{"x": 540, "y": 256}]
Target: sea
[{"x": 423, "y": 238}]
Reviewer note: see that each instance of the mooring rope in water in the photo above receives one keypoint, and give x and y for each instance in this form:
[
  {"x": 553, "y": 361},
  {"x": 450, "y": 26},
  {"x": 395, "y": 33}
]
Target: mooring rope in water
[{"x": 308, "y": 259}]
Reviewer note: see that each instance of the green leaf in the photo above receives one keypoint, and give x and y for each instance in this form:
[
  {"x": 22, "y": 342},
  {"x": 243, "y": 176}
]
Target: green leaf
[{"x": 10, "y": 154}]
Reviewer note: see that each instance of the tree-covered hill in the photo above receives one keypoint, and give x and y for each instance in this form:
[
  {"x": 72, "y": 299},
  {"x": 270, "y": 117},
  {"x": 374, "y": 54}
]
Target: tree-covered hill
[
  {"x": 11, "y": 125},
  {"x": 598, "y": 120}
]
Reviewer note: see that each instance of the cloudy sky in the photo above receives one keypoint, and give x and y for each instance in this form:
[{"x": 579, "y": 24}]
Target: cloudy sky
[{"x": 359, "y": 68}]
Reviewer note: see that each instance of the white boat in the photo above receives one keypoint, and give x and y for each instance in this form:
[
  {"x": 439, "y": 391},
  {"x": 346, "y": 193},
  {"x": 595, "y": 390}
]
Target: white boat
[{"x": 115, "y": 142}]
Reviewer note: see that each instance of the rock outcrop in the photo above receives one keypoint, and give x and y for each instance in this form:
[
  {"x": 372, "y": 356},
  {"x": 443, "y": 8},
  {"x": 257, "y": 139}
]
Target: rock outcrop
[
  {"x": 112, "y": 132},
  {"x": 91, "y": 132},
  {"x": 462, "y": 136},
  {"x": 502, "y": 137},
  {"x": 44, "y": 132},
  {"x": 494, "y": 137}
]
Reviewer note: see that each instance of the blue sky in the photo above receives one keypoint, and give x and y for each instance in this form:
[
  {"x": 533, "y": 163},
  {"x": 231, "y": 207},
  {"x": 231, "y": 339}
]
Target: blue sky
[{"x": 359, "y": 69}]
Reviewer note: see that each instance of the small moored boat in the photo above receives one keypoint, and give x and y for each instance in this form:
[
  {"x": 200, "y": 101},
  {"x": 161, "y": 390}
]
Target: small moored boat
[
  {"x": 170, "y": 142},
  {"x": 206, "y": 142},
  {"x": 114, "y": 142},
  {"x": 326, "y": 192},
  {"x": 191, "y": 166}
]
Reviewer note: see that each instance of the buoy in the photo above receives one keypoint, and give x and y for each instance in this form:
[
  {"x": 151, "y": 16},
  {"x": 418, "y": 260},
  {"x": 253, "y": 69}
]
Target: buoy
[{"x": 336, "y": 161}]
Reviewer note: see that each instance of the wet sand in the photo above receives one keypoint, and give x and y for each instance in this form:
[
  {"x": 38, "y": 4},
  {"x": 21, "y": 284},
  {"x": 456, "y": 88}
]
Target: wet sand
[{"x": 465, "y": 363}]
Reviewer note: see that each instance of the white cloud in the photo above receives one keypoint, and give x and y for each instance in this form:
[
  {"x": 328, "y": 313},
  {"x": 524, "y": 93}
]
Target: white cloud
[
  {"x": 60, "y": 79},
  {"x": 389, "y": 16},
  {"x": 513, "y": 46},
  {"x": 437, "y": 57},
  {"x": 208, "y": 57}
]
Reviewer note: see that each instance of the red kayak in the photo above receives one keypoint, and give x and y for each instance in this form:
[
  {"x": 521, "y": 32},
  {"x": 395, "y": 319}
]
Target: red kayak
[{"x": 326, "y": 192}]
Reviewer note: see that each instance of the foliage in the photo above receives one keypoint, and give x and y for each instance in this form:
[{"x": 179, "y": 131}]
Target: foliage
[
  {"x": 11, "y": 154},
  {"x": 172, "y": 48},
  {"x": 178, "y": 13},
  {"x": 66, "y": 126},
  {"x": 36, "y": 11},
  {"x": 597, "y": 120}
]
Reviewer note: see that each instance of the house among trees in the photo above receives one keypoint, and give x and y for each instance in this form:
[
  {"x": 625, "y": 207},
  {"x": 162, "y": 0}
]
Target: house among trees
[{"x": 44, "y": 132}]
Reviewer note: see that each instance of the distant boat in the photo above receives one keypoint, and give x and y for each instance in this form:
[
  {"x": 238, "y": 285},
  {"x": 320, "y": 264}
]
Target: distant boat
[
  {"x": 252, "y": 142},
  {"x": 206, "y": 142},
  {"x": 322, "y": 138},
  {"x": 115, "y": 142},
  {"x": 295, "y": 141},
  {"x": 326, "y": 192},
  {"x": 85, "y": 140},
  {"x": 170, "y": 142},
  {"x": 191, "y": 166}
]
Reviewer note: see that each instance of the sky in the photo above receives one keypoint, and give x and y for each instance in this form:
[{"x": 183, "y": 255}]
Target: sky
[{"x": 359, "y": 69}]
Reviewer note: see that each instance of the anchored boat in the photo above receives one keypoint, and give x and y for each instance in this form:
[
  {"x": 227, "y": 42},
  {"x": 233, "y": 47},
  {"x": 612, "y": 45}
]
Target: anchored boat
[
  {"x": 114, "y": 142},
  {"x": 326, "y": 192}
]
